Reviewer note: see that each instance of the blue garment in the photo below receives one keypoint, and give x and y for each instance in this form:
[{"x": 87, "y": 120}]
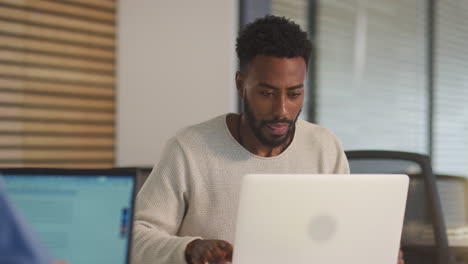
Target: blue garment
[{"x": 18, "y": 243}]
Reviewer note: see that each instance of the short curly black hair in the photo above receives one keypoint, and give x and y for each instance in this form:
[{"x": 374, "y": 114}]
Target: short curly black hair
[{"x": 272, "y": 36}]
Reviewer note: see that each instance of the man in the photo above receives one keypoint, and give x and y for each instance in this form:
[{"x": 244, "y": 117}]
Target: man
[{"x": 186, "y": 210}]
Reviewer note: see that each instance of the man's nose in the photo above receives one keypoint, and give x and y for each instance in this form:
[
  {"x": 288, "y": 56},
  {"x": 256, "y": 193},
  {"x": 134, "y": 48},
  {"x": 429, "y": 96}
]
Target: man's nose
[{"x": 279, "y": 107}]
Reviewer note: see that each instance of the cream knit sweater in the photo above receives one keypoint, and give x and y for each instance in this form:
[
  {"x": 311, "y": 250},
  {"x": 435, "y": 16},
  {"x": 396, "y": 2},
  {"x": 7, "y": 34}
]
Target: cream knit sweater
[{"x": 193, "y": 192}]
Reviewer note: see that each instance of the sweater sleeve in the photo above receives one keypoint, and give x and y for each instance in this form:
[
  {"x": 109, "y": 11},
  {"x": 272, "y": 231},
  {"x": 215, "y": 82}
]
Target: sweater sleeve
[
  {"x": 337, "y": 154},
  {"x": 160, "y": 208},
  {"x": 342, "y": 166}
]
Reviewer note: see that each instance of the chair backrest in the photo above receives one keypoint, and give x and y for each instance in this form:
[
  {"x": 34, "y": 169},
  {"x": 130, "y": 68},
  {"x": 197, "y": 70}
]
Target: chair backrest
[
  {"x": 453, "y": 198},
  {"x": 424, "y": 238}
]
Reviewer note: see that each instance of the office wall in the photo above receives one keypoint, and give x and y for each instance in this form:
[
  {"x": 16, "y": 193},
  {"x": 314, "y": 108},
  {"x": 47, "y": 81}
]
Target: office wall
[{"x": 175, "y": 66}]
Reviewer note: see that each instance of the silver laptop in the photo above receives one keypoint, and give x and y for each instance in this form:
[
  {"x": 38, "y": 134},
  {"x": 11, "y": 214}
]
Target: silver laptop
[
  {"x": 325, "y": 219},
  {"x": 82, "y": 216}
]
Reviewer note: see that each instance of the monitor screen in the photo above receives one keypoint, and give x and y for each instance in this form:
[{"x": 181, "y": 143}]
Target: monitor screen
[{"x": 82, "y": 219}]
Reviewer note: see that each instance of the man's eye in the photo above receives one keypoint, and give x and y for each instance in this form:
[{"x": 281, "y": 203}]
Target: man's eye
[
  {"x": 294, "y": 95},
  {"x": 266, "y": 93}
]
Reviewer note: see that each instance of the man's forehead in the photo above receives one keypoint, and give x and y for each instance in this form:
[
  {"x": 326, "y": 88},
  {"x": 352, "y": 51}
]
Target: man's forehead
[
  {"x": 269, "y": 66},
  {"x": 267, "y": 59},
  {"x": 263, "y": 62}
]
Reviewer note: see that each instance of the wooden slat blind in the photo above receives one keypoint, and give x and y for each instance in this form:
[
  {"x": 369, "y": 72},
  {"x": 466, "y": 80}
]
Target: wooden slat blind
[{"x": 57, "y": 78}]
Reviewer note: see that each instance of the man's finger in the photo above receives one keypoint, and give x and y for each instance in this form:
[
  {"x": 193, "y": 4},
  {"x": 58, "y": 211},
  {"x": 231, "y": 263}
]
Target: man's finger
[
  {"x": 227, "y": 250},
  {"x": 225, "y": 245},
  {"x": 229, "y": 255},
  {"x": 400, "y": 257}
]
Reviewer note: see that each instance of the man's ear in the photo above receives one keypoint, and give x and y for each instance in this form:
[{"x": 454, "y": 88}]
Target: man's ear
[{"x": 240, "y": 85}]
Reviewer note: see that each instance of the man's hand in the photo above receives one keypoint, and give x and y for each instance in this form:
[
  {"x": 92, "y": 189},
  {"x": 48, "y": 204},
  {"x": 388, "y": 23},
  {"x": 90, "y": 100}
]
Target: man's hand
[
  {"x": 208, "y": 252},
  {"x": 400, "y": 257}
]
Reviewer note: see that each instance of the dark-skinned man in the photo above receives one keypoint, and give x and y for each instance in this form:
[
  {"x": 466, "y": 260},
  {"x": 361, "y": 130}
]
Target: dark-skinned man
[{"x": 187, "y": 209}]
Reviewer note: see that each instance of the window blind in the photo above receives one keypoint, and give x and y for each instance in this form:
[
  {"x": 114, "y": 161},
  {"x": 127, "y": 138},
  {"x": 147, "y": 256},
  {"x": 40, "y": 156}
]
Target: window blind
[
  {"x": 297, "y": 11},
  {"x": 371, "y": 73},
  {"x": 451, "y": 88},
  {"x": 292, "y": 9},
  {"x": 57, "y": 78}
]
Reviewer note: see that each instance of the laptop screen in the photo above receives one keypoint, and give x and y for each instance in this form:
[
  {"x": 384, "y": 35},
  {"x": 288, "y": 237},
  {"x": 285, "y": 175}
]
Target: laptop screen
[{"x": 82, "y": 219}]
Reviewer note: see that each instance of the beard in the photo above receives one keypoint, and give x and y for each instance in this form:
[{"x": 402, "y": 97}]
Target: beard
[{"x": 257, "y": 125}]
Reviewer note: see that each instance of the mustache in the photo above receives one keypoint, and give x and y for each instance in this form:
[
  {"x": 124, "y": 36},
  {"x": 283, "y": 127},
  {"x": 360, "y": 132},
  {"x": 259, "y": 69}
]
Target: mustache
[{"x": 277, "y": 121}]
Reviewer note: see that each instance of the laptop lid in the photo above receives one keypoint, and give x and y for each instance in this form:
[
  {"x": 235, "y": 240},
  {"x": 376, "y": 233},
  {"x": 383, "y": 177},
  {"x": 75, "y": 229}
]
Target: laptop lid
[
  {"x": 331, "y": 219},
  {"x": 82, "y": 216}
]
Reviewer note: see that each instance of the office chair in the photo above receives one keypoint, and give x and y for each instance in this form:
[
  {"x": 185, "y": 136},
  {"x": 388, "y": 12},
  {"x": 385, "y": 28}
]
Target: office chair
[
  {"x": 424, "y": 238},
  {"x": 454, "y": 200}
]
